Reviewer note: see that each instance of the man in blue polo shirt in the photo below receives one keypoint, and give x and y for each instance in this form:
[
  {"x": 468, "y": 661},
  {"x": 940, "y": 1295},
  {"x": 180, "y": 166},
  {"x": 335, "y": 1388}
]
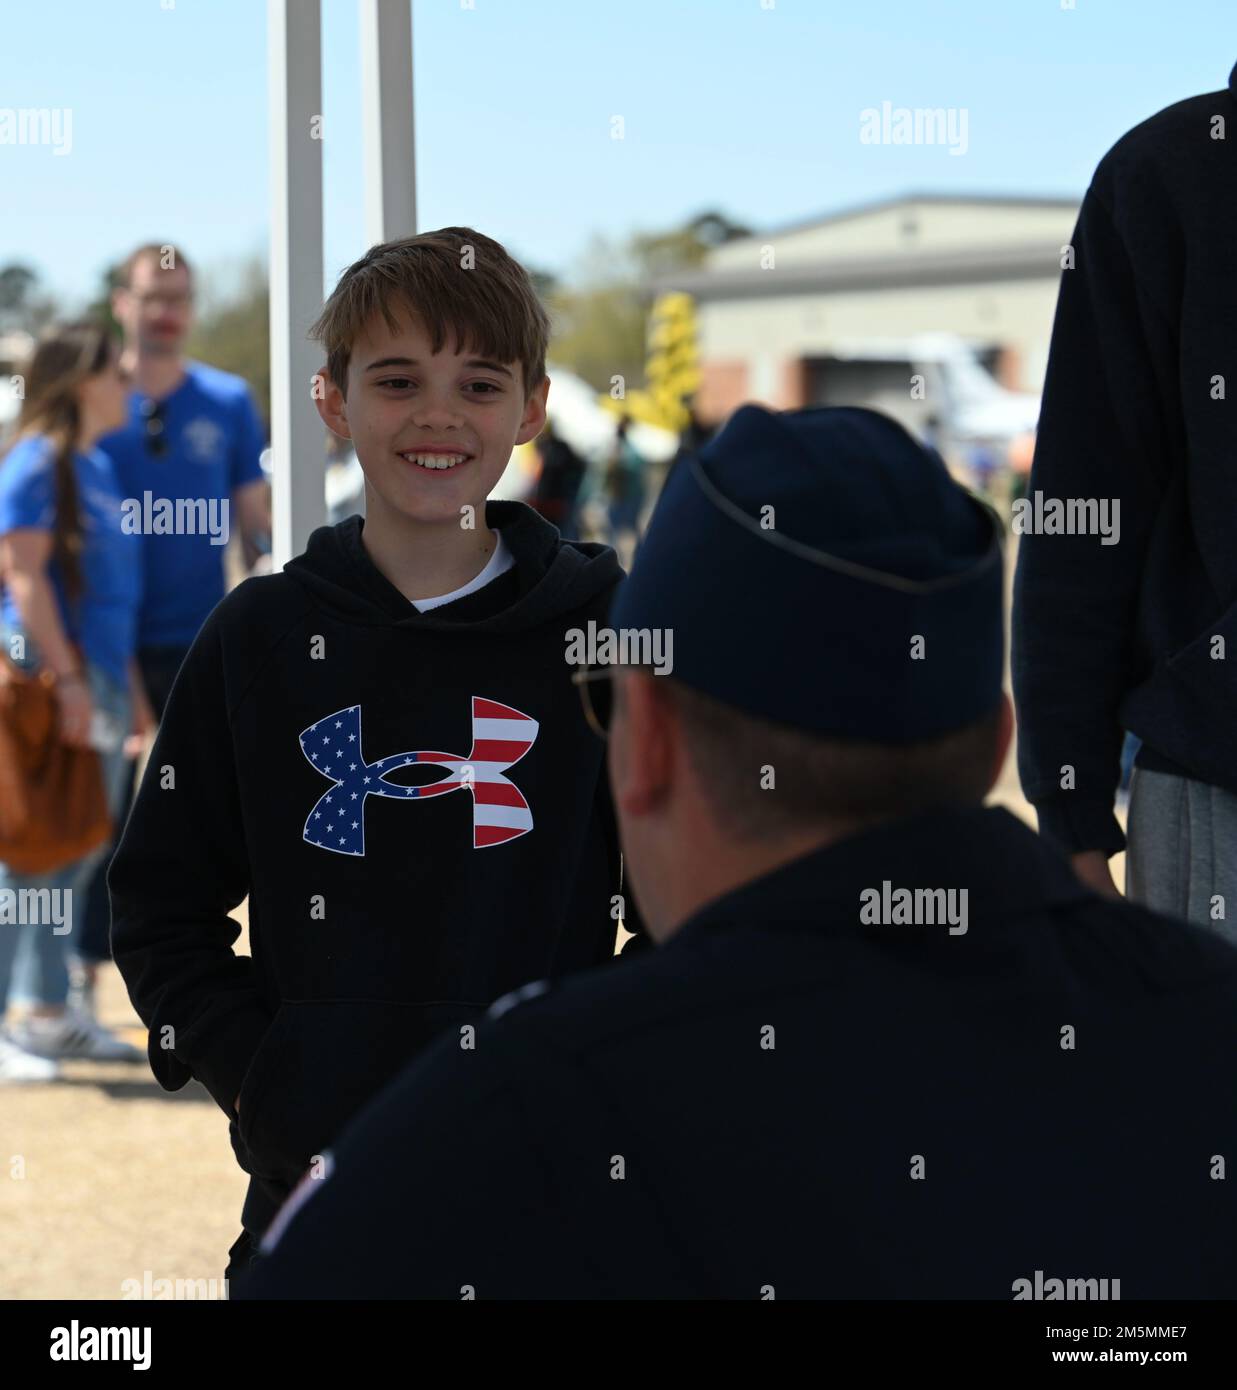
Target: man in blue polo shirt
[{"x": 188, "y": 465}]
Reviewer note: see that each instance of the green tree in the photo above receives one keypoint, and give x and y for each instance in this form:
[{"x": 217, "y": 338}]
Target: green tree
[
  {"x": 24, "y": 305},
  {"x": 597, "y": 318},
  {"x": 16, "y": 284},
  {"x": 601, "y": 322},
  {"x": 662, "y": 253},
  {"x": 234, "y": 334}
]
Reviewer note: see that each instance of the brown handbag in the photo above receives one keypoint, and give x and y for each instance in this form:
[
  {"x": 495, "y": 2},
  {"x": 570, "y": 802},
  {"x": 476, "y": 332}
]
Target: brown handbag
[{"x": 53, "y": 804}]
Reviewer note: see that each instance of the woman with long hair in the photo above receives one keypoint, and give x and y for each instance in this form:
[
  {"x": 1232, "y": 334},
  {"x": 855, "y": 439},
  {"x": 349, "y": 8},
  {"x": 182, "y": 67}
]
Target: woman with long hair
[{"x": 70, "y": 584}]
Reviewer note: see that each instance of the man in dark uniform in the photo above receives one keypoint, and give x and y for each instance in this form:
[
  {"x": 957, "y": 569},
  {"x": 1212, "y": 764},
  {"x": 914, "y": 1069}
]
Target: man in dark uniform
[{"x": 889, "y": 1045}]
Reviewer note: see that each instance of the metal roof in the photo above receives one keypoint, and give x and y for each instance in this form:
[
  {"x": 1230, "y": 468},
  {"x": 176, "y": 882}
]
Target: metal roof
[
  {"x": 1008, "y": 200},
  {"x": 1020, "y": 261}
]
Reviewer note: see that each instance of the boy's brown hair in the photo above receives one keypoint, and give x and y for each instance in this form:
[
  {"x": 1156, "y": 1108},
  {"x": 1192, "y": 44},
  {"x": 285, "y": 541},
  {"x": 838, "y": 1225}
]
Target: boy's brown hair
[{"x": 455, "y": 279}]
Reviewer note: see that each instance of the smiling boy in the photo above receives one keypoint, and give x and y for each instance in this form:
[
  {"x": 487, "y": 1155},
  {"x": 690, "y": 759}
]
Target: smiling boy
[
  {"x": 415, "y": 656},
  {"x": 433, "y": 421}
]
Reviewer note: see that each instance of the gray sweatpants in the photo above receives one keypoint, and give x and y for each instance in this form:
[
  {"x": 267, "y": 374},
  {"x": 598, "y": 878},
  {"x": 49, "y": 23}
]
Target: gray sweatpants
[{"x": 1181, "y": 855}]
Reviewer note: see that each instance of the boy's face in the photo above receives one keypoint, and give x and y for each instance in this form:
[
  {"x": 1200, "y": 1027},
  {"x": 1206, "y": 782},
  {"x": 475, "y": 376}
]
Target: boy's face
[{"x": 403, "y": 400}]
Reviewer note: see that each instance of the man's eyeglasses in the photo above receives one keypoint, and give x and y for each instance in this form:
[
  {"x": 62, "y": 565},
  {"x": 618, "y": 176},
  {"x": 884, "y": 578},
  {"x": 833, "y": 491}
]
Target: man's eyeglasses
[
  {"x": 597, "y": 697},
  {"x": 163, "y": 299},
  {"x": 156, "y": 438}
]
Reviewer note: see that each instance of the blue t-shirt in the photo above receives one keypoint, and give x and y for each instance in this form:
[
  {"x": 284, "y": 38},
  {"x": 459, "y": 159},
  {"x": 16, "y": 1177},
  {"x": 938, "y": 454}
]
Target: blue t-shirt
[
  {"x": 103, "y": 620},
  {"x": 213, "y": 436}
]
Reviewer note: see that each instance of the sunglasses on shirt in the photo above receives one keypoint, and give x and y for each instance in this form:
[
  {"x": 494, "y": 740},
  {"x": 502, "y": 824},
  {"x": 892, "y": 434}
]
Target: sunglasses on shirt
[{"x": 156, "y": 424}]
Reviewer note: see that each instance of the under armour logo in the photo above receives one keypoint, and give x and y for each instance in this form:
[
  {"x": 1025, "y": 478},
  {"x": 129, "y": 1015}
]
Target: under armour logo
[{"x": 500, "y": 738}]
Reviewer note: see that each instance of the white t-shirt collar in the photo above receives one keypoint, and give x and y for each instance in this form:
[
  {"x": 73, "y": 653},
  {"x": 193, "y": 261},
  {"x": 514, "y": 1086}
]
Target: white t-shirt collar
[{"x": 499, "y": 563}]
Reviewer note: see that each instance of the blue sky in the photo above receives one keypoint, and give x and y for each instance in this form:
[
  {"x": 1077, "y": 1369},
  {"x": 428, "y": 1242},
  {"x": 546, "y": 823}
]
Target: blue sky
[{"x": 726, "y": 103}]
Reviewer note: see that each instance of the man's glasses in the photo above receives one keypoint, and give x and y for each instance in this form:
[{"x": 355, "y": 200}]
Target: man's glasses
[
  {"x": 156, "y": 438},
  {"x": 163, "y": 300},
  {"x": 597, "y": 696}
]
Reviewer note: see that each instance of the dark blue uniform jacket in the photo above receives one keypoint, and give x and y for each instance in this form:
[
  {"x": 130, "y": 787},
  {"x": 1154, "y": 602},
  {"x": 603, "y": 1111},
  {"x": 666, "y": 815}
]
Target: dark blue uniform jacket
[{"x": 789, "y": 1100}]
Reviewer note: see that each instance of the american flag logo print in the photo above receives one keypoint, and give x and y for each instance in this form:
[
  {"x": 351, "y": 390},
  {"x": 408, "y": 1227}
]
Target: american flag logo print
[{"x": 500, "y": 738}]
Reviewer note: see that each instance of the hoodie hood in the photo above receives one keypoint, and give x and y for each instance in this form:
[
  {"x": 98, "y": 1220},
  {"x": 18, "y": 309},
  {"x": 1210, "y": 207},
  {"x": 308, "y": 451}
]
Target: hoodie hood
[{"x": 554, "y": 576}]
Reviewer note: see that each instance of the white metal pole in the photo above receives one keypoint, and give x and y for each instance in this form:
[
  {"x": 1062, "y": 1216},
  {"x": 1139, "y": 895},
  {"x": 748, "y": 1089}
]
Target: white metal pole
[
  {"x": 298, "y": 455},
  {"x": 387, "y": 121}
]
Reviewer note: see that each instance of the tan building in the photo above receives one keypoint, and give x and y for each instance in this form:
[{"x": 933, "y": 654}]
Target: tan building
[{"x": 784, "y": 317}]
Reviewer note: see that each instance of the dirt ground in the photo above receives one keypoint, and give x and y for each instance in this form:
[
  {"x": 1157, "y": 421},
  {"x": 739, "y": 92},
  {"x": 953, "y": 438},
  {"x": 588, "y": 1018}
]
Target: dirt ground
[{"x": 104, "y": 1176}]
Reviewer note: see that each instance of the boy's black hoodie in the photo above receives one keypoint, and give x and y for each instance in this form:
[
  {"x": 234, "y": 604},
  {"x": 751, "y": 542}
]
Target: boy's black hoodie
[{"x": 312, "y": 704}]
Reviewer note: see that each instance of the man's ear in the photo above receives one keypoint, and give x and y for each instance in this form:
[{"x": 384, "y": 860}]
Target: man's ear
[
  {"x": 332, "y": 406},
  {"x": 642, "y": 741},
  {"x": 534, "y": 413}
]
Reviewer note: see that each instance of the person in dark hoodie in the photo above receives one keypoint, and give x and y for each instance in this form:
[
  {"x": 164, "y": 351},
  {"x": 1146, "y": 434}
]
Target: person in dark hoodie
[
  {"x": 1135, "y": 629},
  {"x": 381, "y": 746}
]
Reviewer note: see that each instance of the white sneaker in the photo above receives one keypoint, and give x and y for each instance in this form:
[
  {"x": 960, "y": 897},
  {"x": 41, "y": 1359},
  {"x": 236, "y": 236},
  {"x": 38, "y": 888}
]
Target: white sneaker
[
  {"x": 16, "y": 1064},
  {"x": 82, "y": 998},
  {"x": 72, "y": 1034}
]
